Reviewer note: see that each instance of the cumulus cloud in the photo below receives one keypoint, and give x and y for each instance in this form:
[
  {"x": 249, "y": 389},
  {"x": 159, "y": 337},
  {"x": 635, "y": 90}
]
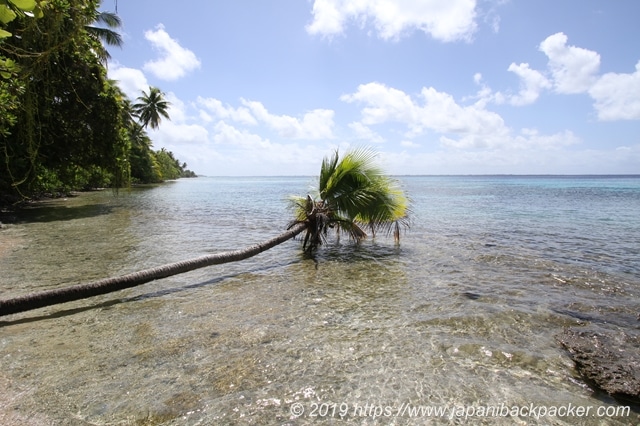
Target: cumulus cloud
[
  {"x": 130, "y": 80},
  {"x": 383, "y": 103},
  {"x": 175, "y": 61},
  {"x": 314, "y": 125},
  {"x": 617, "y": 96},
  {"x": 230, "y": 135},
  {"x": 214, "y": 106},
  {"x": 573, "y": 69},
  {"x": 434, "y": 110},
  {"x": 461, "y": 127},
  {"x": 179, "y": 134},
  {"x": 443, "y": 20},
  {"x": 532, "y": 83},
  {"x": 243, "y": 150},
  {"x": 180, "y": 130},
  {"x": 485, "y": 94},
  {"x": 365, "y": 133}
]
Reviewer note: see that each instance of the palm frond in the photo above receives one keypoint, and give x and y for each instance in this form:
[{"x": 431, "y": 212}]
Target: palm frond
[
  {"x": 354, "y": 194},
  {"x": 105, "y": 35},
  {"x": 110, "y": 19},
  {"x": 150, "y": 107},
  {"x": 360, "y": 190}
]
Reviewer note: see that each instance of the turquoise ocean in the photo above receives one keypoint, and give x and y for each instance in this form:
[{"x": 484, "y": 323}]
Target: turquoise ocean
[{"x": 461, "y": 316}]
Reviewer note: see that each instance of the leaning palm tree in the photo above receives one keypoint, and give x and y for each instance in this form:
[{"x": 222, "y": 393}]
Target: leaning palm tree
[
  {"x": 151, "y": 106},
  {"x": 353, "y": 195}
]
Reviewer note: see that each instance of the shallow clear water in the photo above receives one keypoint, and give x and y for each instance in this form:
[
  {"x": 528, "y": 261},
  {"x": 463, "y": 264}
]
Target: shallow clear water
[{"x": 463, "y": 313}]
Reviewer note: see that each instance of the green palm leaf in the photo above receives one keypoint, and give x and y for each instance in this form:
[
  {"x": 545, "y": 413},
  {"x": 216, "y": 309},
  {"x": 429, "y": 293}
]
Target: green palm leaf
[
  {"x": 151, "y": 107},
  {"x": 354, "y": 193}
]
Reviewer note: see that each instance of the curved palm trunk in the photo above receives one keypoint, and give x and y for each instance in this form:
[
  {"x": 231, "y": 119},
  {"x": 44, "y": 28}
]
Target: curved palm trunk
[{"x": 108, "y": 285}]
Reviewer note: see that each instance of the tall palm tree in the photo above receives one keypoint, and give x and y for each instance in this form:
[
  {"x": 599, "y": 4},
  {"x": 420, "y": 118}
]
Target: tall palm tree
[
  {"x": 353, "y": 194},
  {"x": 151, "y": 106}
]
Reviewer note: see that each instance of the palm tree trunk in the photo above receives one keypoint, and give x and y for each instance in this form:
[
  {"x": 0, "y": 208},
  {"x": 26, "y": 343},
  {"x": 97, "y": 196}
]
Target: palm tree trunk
[{"x": 108, "y": 285}]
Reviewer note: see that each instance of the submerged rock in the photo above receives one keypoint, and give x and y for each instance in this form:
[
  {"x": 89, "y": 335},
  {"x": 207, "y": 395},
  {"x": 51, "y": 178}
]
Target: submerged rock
[{"x": 609, "y": 360}]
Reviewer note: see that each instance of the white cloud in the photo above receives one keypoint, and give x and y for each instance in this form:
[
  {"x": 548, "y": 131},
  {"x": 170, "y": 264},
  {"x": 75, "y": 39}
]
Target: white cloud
[
  {"x": 175, "y": 61},
  {"x": 229, "y": 135},
  {"x": 314, "y": 125},
  {"x": 249, "y": 153},
  {"x": 205, "y": 117},
  {"x": 365, "y": 133},
  {"x": 240, "y": 115},
  {"x": 383, "y": 103},
  {"x": 520, "y": 161},
  {"x": 213, "y": 138},
  {"x": 574, "y": 69},
  {"x": 617, "y": 96},
  {"x": 177, "y": 109},
  {"x": 460, "y": 127},
  {"x": 179, "y": 134},
  {"x": 328, "y": 19},
  {"x": 130, "y": 80},
  {"x": 409, "y": 144},
  {"x": 528, "y": 139},
  {"x": 531, "y": 138},
  {"x": 485, "y": 94},
  {"x": 571, "y": 70},
  {"x": 532, "y": 82},
  {"x": 438, "y": 111},
  {"x": 443, "y": 20}
]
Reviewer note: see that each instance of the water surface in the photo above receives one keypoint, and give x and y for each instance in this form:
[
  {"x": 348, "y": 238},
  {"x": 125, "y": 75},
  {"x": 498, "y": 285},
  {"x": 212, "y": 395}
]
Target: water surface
[{"x": 464, "y": 312}]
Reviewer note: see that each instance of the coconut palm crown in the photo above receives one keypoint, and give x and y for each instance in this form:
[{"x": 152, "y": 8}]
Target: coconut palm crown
[
  {"x": 151, "y": 106},
  {"x": 353, "y": 194}
]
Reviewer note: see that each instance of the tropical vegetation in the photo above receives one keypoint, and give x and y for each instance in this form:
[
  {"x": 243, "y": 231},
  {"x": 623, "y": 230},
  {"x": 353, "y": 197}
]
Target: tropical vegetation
[{"x": 63, "y": 124}]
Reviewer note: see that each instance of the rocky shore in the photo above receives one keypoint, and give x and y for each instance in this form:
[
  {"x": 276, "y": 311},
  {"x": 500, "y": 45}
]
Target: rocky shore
[{"x": 607, "y": 360}]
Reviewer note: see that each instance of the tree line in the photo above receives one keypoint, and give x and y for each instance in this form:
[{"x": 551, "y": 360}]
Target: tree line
[{"x": 63, "y": 124}]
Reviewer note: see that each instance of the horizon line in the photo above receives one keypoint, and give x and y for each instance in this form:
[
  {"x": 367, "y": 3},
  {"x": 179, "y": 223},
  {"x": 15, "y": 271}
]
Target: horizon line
[{"x": 634, "y": 175}]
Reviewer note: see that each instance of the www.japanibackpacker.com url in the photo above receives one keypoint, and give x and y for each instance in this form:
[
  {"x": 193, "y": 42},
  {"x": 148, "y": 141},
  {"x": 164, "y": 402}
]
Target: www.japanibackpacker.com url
[{"x": 342, "y": 410}]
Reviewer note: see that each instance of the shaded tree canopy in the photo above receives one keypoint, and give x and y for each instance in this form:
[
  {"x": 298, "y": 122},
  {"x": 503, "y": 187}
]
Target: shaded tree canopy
[{"x": 63, "y": 124}]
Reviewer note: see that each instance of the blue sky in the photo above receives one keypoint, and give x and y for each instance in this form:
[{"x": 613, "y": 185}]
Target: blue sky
[{"x": 435, "y": 86}]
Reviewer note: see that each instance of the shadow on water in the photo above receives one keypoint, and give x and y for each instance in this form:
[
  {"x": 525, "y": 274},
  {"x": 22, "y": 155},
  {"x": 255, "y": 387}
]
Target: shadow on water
[
  {"x": 149, "y": 295},
  {"x": 356, "y": 252},
  {"x": 53, "y": 213},
  {"x": 345, "y": 253}
]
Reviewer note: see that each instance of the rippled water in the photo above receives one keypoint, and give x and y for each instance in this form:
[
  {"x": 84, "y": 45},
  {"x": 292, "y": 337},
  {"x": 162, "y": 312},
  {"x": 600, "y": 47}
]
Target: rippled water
[{"x": 463, "y": 313}]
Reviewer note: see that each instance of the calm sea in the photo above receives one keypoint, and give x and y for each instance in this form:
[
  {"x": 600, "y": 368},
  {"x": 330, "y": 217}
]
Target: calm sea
[{"x": 461, "y": 316}]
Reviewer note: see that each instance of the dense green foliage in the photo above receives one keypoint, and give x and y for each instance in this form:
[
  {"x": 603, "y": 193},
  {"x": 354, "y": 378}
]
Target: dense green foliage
[
  {"x": 353, "y": 193},
  {"x": 63, "y": 124}
]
